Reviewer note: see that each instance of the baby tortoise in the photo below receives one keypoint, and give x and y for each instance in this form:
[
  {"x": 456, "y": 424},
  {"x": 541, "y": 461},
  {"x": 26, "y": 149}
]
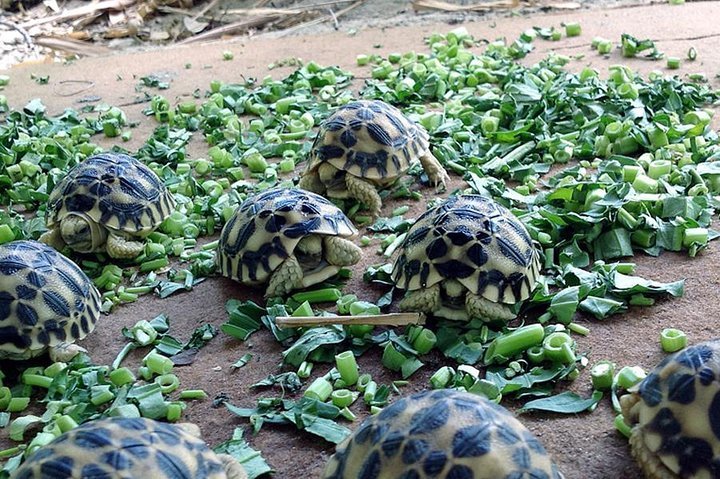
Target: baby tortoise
[
  {"x": 467, "y": 257},
  {"x": 46, "y": 302},
  {"x": 287, "y": 238},
  {"x": 109, "y": 202},
  {"x": 363, "y": 145}
]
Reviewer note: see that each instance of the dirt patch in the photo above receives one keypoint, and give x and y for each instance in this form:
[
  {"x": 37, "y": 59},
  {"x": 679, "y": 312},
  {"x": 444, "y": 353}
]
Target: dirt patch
[{"x": 584, "y": 446}]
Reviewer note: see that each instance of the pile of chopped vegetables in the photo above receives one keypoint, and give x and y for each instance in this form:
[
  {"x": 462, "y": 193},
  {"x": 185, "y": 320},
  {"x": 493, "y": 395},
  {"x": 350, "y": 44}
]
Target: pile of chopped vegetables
[{"x": 596, "y": 169}]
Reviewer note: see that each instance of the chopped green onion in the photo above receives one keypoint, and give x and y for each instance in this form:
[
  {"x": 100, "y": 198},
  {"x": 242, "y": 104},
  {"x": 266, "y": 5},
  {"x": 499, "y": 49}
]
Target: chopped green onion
[
  {"x": 392, "y": 358},
  {"x": 536, "y": 354},
  {"x": 319, "y": 389},
  {"x": 191, "y": 394},
  {"x": 578, "y": 329},
  {"x": 167, "y": 382},
  {"x": 101, "y": 394},
  {"x": 573, "y": 29},
  {"x": 348, "y": 414},
  {"x": 326, "y": 295},
  {"x": 673, "y": 340},
  {"x": 622, "y": 426},
  {"x": 66, "y": 423},
  {"x": 370, "y": 392},
  {"x": 442, "y": 377},
  {"x": 424, "y": 341},
  {"x": 630, "y": 376},
  {"x": 174, "y": 411},
  {"x": 342, "y": 398},
  {"x": 158, "y": 364},
  {"x": 558, "y": 348},
  {"x": 601, "y": 375},
  {"x": 673, "y": 63},
  {"x": 347, "y": 367},
  {"x": 121, "y": 376},
  {"x": 17, "y": 404},
  {"x": 305, "y": 369},
  {"x": 363, "y": 381},
  {"x": 37, "y": 380},
  {"x": 510, "y": 344}
]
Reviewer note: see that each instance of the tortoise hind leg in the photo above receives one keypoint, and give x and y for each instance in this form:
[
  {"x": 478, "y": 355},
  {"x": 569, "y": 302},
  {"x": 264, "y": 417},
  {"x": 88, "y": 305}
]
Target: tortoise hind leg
[
  {"x": 435, "y": 171},
  {"x": 365, "y": 193},
  {"x": 287, "y": 277},
  {"x": 122, "y": 248},
  {"x": 233, "y": 469},
  {"x": 479, "y": 307},
  {"x": 341, "y": 252},
  {"x": 422, "y": 301}
]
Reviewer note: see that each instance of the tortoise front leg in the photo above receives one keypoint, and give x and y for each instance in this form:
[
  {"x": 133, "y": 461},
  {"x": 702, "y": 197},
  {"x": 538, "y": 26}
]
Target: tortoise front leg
[
  {"x": 341, "y": 252},
  {"x": 311, "y": 182},
  {"x": 64, "y": 352},
  {"x": 53, "y": 238},
  {"x": 422, "y": 301},
  {"x": 122, "y": 248},
  {"x": 479, "y": 307},
  {"x": 364, "y": 192},
  {"x": 286, "y": 278}
]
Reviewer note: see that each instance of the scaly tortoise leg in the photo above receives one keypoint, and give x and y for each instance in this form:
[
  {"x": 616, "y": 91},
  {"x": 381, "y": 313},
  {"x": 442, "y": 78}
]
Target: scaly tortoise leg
[
  {"x": 64, "y": 352},
  {"x": 233, "y": 469},
  {"x": 287, "y": 277},
  {"x": 365, "y": 193},
  {"x": 479, "y": 307},
  {"x": 422, "y": 301},
  {"x": 435, "y": 171},
  {"x": 122, "y": 248},
  {"x": 53, "y": 238},
  {"x": 311, "y": 182},
  {"x": 341, "y": 252}
]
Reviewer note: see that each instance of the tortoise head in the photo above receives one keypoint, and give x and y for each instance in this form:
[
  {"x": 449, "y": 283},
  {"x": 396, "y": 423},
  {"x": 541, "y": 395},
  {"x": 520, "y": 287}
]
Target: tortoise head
[{"x": 82, "y": 234}]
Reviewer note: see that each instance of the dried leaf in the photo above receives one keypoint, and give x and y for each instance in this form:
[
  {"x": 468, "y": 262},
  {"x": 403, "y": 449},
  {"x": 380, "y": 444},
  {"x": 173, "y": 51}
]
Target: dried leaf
[{"x": 194, "y": 26}]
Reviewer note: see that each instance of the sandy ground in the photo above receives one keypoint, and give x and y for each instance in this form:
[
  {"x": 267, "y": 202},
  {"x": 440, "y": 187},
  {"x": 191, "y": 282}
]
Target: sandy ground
[{"x": 584, "y": 446}]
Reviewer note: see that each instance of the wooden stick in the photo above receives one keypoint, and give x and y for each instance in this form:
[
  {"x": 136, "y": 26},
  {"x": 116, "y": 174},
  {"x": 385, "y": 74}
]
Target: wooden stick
[
  {"x": 391, "y": 319},
  {"x": 236, "y": 27},
  {"x": 81, "y": 11},
  {"x": 449, "y": 7},
  {"x": 322, "y": 19}
]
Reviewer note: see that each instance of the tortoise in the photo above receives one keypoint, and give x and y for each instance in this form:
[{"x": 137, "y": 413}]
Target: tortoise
[
  {"x": 46, "y": 302},
  {"x": 468, "y": 249},
  {"x": 444, "y": 433},
  {"x": 109, "y": 202},
  {"x": 675, "y": 415},
  {"x": 288, "y": 238},
  {"x": 365, "y": 144},
  {"x": 129, "y": 448}
]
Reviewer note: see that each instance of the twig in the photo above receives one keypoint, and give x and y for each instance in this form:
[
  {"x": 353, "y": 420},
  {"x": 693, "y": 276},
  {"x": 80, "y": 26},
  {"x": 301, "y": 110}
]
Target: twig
[
  {"x": 70, "y": 45},
  {"x": 322, "y": 19},
  {"x": 305, "y": 8},
  {"x": 26, "y": 36},
  {"x": 206, "y": 9},
  {"x": 392, "y": 319},
  {"x": 236, "y": 27},
  {"x": 86, "y": 85},
  {"x": 82, "y": 11},
  {"x": 334, "y": 19},
  {"x": 449, "y": 7}
]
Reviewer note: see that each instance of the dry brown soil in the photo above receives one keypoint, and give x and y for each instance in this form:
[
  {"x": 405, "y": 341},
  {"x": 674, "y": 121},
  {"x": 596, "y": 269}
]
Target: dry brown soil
[{"x": 584, "y": 446}]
